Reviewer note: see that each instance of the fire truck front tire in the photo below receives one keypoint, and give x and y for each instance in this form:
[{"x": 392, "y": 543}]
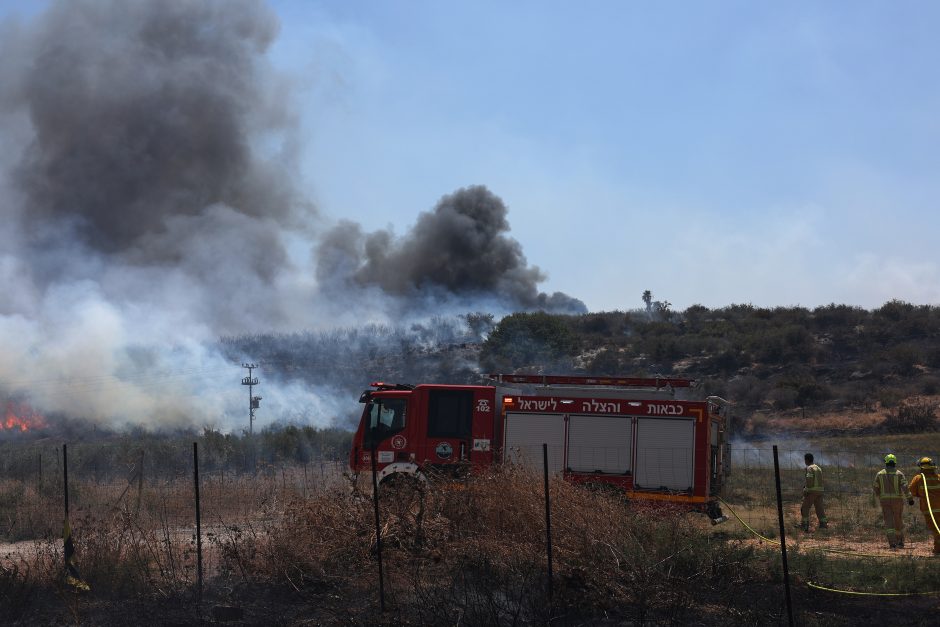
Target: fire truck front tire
[
  {"x": 406, "y": 469},
  {"x": 403, "y": 495},
  {"x": 398, "y": 481},
  {"x": 714, "y": 513}
]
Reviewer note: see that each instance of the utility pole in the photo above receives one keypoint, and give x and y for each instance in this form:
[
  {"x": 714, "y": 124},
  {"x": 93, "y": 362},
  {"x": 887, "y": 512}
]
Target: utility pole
[{"x": 254, "y": 402}]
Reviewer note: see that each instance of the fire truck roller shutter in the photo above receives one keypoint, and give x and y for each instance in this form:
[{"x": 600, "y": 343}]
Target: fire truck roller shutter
[
  {"x": 525, "y": 434},
  {"x": 664, "y": 453},
  {"x": 599, "y": 443}
]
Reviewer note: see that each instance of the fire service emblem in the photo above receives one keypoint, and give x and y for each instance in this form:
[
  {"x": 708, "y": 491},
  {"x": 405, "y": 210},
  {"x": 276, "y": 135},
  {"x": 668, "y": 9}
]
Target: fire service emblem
[
  {"x": 399, "y": 442},
  {"x": 444, "y": 450}
]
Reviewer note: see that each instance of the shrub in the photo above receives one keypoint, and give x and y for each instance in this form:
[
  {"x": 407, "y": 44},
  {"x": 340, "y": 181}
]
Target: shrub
[
  {"x": 912, "y": 418},
  {"x": 18, "y": 587},
  {"x": 889, "y": 397},
  {"x": 904, "y": 358},
  {"x": 930, "y": 386},
  {"x": 606, "y": 362},
  {"x": 783, "y": 398},
  {"x": 528, "y": 339}
]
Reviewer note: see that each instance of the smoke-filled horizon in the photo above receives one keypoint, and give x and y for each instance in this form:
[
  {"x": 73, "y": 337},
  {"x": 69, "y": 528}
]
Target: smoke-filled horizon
[{"x": 149, "y": 192}]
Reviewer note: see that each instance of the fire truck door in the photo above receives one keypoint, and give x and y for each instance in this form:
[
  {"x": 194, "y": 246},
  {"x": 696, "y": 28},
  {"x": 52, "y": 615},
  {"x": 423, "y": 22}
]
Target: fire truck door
[
  {"x": 664, "y": 453},
  {"x": 450, "y": 422}
]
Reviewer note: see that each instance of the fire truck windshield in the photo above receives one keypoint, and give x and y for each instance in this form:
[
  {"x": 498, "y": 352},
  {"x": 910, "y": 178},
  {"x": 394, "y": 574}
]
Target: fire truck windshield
[{"x": 386, "y": 417}]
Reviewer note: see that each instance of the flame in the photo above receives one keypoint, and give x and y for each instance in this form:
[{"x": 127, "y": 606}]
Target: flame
[{"x": 22, "y": 417}]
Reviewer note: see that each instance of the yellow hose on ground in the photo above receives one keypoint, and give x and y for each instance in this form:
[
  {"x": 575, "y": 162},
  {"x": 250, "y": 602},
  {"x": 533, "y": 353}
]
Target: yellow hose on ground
[{"x": 837, "y": 551}]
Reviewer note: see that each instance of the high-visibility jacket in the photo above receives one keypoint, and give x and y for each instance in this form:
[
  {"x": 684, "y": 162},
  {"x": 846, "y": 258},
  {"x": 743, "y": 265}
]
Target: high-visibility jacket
[
  {"x": 890, "y": 483},
  {"x": 921, "y": 485},
  {"x": 814, "y": 480}
]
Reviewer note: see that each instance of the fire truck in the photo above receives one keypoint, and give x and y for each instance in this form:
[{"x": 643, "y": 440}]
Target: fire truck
[{"x": 643, "y": 437}]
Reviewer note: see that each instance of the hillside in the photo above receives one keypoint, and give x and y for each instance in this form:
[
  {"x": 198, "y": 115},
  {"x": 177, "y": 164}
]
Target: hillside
[{"x": 833, "y": 367}]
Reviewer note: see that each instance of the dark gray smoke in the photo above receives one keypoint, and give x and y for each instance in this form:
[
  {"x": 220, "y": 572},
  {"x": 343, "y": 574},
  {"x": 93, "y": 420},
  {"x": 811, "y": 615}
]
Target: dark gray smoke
[
  {"x": 460, "y": 248},
  {"x": 141, "y": 111},
  {"x": 152, "y": 135}
]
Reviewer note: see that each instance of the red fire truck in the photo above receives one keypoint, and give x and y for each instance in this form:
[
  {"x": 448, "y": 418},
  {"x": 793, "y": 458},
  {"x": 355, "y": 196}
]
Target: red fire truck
[{"x": 638, "y": 435}]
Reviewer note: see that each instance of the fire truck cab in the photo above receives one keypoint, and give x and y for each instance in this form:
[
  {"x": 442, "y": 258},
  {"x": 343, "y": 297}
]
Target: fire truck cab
[{"x": 642, "y": 436}]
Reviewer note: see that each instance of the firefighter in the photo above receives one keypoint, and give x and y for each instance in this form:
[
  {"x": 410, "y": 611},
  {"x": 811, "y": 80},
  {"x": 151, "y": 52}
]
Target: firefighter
[
  {"x": 813, "y": 494},
  {"x": 926, "y": 485},
  {"x": 890, "y": 487}
]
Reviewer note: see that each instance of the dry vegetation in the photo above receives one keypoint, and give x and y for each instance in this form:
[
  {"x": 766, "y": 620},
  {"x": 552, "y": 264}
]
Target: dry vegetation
[{"x": 471, "y": 554}]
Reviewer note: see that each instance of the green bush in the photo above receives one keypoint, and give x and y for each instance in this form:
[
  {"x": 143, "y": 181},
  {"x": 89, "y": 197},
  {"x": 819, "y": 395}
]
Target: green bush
[{"x": 526, "y": 340}]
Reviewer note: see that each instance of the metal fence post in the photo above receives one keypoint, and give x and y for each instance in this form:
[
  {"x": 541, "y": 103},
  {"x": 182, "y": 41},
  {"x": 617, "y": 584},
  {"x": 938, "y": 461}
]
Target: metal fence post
[
  {"x": 198, "y": 524},
  {"x": 783, "y": 539},
  {"x": 548, "y": 522},
  {"x": 65, "y": 478},
  {"x": 378, "y": 529}
]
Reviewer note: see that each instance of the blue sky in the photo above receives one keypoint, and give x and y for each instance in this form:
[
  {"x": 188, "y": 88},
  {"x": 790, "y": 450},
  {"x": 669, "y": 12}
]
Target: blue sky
[{"x": 714, "y": 153}]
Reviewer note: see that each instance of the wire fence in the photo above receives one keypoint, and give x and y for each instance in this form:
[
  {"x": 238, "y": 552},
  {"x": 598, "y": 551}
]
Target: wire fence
[
  {"x": 850, "y": 548},
  {"x": 141, "y": 511}
]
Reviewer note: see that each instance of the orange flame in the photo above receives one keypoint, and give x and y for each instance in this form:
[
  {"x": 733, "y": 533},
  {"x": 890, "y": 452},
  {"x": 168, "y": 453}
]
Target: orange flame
[{"x": 20, "y": 416}]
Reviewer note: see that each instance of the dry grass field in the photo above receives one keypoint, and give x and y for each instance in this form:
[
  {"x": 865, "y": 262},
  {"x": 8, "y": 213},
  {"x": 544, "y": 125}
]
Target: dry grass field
[{"x": 282, "y": 549}]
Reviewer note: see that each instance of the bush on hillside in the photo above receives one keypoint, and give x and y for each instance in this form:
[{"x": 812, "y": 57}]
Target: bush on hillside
[
  {"x": 912, "y": 418},
  {"x": 526, "y": 340}
]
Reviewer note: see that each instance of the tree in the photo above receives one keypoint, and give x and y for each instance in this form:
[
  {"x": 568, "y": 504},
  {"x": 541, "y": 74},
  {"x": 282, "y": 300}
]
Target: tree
[
  {"x": 479, "y": 323},
  {"x": 648, "y": 299},
  {"x": 527, "y": 340}
]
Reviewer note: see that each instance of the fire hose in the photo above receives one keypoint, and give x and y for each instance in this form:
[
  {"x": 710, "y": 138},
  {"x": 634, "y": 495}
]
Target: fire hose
[
  {"x": 838, "y": 552},
  {"x": 929, "y": 508}
]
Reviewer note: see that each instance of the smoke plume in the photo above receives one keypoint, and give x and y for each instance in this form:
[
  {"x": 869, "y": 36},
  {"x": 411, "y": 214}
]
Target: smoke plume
[
  {"x": 459, "y": 248},
  {"x": 148, "y": 193}
]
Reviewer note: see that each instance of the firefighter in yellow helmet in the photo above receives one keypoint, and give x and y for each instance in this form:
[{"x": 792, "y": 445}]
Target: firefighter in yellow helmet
[
  {"x": 890, "y": 487},
  {"x": 813, "y": 494},
  {"x": 926, "y": 486}
]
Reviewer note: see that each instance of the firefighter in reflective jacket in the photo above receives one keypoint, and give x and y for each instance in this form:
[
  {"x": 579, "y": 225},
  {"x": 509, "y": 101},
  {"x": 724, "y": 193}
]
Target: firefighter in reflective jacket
[
  {"x": 890, "y": 488},
  {"x": 813, "y": 494},
  {"x": 926, "y": 486}
]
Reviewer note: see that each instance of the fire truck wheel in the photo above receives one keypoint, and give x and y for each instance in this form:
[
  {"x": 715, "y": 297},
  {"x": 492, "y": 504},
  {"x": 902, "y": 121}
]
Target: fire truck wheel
[
  {"x": 713, "y": 511},
  {"x": 399, "y": 481}
]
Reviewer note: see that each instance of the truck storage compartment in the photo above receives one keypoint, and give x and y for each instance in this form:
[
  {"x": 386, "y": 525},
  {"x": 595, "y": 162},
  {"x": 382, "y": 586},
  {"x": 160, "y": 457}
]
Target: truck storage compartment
[
  {"x": 525, "y": 434},
  {"x": 600, "y": 444},
  {"x": 664, "y": 453}
]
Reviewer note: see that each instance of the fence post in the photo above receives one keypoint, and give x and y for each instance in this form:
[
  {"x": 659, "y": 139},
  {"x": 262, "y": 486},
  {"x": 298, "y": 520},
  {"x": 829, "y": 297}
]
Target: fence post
[
  {"x": 198, "y": 524},
  {"x": 378, "y": 529},
  {"x": 140, "y": 482},
  {"x": 548, "y": 522},
  {"x": 783, "y": 539},
  {"x": 65, "y": 478}
]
